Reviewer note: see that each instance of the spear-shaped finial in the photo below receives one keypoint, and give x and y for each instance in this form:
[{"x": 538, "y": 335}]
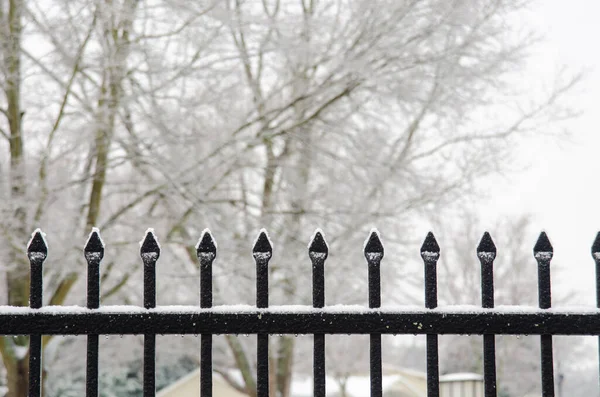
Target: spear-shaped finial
[
  {"x": 373, "y": 248},
  {"x": 262, "y": 252},
  {"x": 94, "y": 247},
  {"x": 37, "y": 247},
  {"x": 149, "y": 247},
  {"x": 262, "y": 249},
  {"x": 543, "y": 250},
  {"x": 37, "y": 251},
  {"x": 318, "y": 248},
  {"x": 430, "y": 250},
  {"x": 486, "y": 250},
  {"x": 206, "y": 246}
]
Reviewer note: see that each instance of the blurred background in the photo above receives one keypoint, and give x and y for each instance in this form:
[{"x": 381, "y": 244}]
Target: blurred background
[{"x": 453, "y": 116}]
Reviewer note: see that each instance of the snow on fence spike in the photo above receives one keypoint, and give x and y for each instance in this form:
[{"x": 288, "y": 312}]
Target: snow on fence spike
[
  {"x": 317, "y": 243},
  {"x": 430, "y": 245},
  {"x": 94, "y": 242},
  {"x": 206, "y": 244},
  {"x": 37, "y": 244},
  {"x": 596, "y": 247},
  {"x": 486, "y": 245},
  {"x": 543, "y": 249},
  {"x": 150, "y": 244},
  {"x": 262, "y": 244},
  {"x": 373, "y": 237}
]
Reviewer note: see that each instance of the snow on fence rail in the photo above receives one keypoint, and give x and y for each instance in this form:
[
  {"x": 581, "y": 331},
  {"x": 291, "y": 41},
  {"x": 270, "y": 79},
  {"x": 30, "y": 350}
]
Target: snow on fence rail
[{"x": 317, "y": 319}]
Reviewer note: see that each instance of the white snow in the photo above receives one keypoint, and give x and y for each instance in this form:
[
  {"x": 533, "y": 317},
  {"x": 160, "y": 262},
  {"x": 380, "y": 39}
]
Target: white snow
[
  {"x": 337, "y": 309},
  {"x": 149, "y": 256},
  {"x": 487, "y": 256},
  {"x": 543, "y": 255},
  {"x": 20, "y": 351},
  {"x": 373, "y": 230},
  {"x": 95, "y": 230},
  {"x": 262, "y": 255},
  {"x": 234, "y": 308},
  {"x": 36, "y": 231},
  {"x": 430, "y": 256},
  {"x": 312, "y": 237},
  {"x": 151, "y": 231},
  {"x": 37, "y": 256},
  {"x": 261, "y": 231},
  {"x": 93, "y": 256},
  {"x": 205, "y": 231},
  {"x": 373, "y": 256},
  {"x": 357, "y": 386},
  {"x": 460, "y": 377}
]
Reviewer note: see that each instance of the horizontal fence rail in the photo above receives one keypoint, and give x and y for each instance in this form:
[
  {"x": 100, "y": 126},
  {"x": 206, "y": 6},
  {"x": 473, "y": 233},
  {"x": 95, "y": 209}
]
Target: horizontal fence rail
[
  {"x": 318, "y": 320},
  {"x": 112, "y": 320}
]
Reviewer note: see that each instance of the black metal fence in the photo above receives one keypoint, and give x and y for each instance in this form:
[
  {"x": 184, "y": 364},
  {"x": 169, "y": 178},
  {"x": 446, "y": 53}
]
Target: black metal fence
[{"x": 318, "y": 320}]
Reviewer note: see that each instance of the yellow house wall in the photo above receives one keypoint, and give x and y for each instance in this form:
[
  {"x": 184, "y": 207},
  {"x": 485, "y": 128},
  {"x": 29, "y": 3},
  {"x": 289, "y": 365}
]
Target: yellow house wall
[{"x": 191, "y": 388}]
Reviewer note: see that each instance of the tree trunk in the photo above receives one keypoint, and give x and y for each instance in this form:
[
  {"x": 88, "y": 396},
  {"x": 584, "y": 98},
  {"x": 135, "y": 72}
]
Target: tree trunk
[
  {"x": 17, "y": 278},
  {"x": 18, "y": 378},
  {"x": 285, "y": 360}
]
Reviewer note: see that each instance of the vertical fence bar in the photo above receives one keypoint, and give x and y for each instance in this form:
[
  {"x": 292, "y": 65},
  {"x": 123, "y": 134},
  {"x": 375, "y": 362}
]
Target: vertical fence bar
[
  {"x": 543, "y": 253},
  {"x": 373, "y": 251},
  {"x": 149, "y": 251},
  {"x": 596, "y": 256},
  {"x": 317, "y": 252},
  {"x": 37, "y": 251},
  {"x": 486, "y": 252},
  {"x": 206, "y": 250},
  {"x": 262, "y": 253},
  {"x": 93, "y": 252},
  {"x": 430, "y": 252}
]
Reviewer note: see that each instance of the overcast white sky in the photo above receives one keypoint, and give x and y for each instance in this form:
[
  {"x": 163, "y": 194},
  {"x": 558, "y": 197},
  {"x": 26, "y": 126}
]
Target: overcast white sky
[{"x": 561, "y": 185}]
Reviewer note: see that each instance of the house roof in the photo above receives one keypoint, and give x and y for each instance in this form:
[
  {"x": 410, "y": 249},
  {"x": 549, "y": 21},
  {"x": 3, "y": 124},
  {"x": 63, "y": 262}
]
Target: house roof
[
  {"x": 173, "y": 386},
  {"x": 356, "y": 386},
  {"x": 400, "y": 381},
  {"x": 191, "y": 384},
  {"x": 461, "y": 376}
]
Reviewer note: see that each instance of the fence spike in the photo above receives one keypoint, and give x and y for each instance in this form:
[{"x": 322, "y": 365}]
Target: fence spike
[
  {"x": 37, "y": 245},
  {"x": 543, "y": 252},
  {"x": 37, "y": 251},
  {"x": 93, "y": 252},
  {"x": 262, "y": 252},
  {"x": 149, "y": 252},
  {"x": 206, "y": 251},
  {"x": 317, "y": 252},
  {"x": 430, "y": 247},
  {"x": 150, "y": 244},
  {"x": 596, "y": 246},
  {"x": 318, "y": 246},
  {"x": 373, "y": 251},
  {"x": 206, "y": 245},
  {"x": 373, "y": 248},
  {"x": 262, "y": 245},
  {"x": 94, "y": 246},
  {"x": 542, "y": 247},
  {"x": 486, "y": 252},
  {"x": 486, "y": 248},
  {"x": 486, "y": 244},
  {"x": 430, "y": 252}
]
